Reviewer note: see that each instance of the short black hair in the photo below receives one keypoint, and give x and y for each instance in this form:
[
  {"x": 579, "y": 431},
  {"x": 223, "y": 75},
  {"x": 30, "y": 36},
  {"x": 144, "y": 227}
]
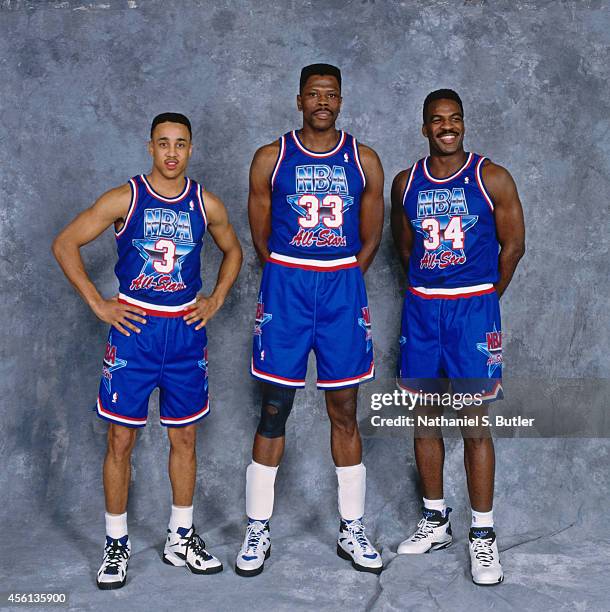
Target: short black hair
[
  {"x": 171, "y": 118},
  {"x": 319, "y": 69},
  {"x": 442, "y": 94}
]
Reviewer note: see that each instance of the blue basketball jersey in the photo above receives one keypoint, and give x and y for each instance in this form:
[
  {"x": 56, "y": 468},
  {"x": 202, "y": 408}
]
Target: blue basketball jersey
[
  {"x": 159, "y": 245},
  {"x": 455, "y": 243},
  {"x": 315, "y": 200}
]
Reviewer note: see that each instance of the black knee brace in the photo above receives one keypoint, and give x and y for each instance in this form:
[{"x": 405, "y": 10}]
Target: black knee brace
[{"x": 276, "y": 406}]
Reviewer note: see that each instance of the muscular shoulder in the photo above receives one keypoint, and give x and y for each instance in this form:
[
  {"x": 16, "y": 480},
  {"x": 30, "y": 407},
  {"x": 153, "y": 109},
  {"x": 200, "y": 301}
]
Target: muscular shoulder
[
  {"x": 115, "y": 201},
  {"x": 400, "y": 182},
  {"x": 496, "y": 178},
  {"x": 367, "y": 154}
]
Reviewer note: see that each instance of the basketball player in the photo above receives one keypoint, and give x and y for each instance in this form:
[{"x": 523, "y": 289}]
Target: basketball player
[
  {"x": 157, "y": 336},
  {"x": 316, "y": 215},
  {"x": 451, "y": 214}
]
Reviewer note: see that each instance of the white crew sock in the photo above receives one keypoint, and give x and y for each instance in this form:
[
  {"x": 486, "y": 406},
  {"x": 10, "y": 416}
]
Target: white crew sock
[
  {"x": 435, "y": 504},
  {"x": 116, "y": 525},
  {"x": 260, "y": 483},
  {"x": 482, "y": 519},
  {"x": 181, "y": 516},
  {"x": 351, "y": 491}
]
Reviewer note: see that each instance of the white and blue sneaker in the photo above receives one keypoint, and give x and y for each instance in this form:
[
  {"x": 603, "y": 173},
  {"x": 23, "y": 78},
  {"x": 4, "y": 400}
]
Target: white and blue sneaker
[
  {"x": 186, "y": 548},
  {"x": 113, "y": 571},
  {"x": 484, "y": 557},
  {"x": 433, "y": 533},
  {"x": 255, "y": 550},
  {"x": 354, "y": 546}
]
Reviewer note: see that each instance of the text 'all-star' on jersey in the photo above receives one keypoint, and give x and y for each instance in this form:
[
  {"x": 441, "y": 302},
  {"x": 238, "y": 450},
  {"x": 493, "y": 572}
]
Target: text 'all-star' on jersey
[
  {"x": 315, "y": 201},
  {"x": 455, "y": 243},
  {"x": 159, "y": 248}
]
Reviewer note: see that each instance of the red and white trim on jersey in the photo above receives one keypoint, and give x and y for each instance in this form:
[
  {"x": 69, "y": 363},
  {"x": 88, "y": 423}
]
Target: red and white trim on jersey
[
  {"x": 344, "y": 382},
  {"x": 481, "y": 184},
  {"x": 158, "y": 310},
  {"x": 278, "y": 161},
  {"x": 449, "y": 178},
  {"x": 358, "y": 162},
  {"x": 409, "y": 181},
  {"x": 119, "y": 418},
  {"x": 201, "y": 206},
  {"x": 132, "y": 207},
  {"x": 175, "y": 200},
  {"x": 318, "y": 265},
  {"x": 173, "y": 422},
  {"x": 282, "y": 380},
  {"x": 303, "y": 149},
  {"x": 452, "y": 293},
  {"x": 404, "y": 387}
]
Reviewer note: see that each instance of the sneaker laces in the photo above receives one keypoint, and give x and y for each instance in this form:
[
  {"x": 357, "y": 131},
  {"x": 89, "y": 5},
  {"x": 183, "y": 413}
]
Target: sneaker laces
[
  {"x": 197, "y": 545},
  {"x": 356, "y": 529},
  {"x": 254, "y": 533},
  {"x": 424, "y": 529},
  {"x": 482, "y": 551},
  {"x": 114, "y": 554}
]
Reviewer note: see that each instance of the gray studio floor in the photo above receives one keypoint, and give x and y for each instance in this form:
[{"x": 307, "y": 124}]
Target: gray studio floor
[{"x": 552, "y": 572}]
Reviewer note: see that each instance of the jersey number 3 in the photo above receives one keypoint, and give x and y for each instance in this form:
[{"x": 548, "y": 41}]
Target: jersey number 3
[
  {"x": 312, "y": 205},
  {"x": 168, "y": 248}
]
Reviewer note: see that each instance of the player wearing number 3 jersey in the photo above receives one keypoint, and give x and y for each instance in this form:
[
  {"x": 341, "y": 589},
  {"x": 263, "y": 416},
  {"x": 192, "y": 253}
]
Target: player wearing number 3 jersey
[
  {"x": 316, "y": 214},
  {"x": 157, "y": 336}
]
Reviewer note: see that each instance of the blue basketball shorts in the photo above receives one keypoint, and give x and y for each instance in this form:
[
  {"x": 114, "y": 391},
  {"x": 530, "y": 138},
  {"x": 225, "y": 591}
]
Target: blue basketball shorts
[
  {"x": 306, "y": 305},
  {"x": 452, "y": 334},
  {"x": 167, "y": 353}
]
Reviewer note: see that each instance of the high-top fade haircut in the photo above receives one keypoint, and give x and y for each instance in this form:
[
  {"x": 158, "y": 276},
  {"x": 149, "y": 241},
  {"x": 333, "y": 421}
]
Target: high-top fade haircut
[
  {"x": 441, "y": 94},
  {"x": 321, "y": 69},
  {"x": 171, "y": 118}
]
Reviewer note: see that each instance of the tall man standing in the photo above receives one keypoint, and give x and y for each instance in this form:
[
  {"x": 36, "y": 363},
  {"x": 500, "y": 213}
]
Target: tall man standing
[
  {"x": 451, "y": 214},
  {"x": 157, "y": 336},
  {"x": 316, "y": 216}
]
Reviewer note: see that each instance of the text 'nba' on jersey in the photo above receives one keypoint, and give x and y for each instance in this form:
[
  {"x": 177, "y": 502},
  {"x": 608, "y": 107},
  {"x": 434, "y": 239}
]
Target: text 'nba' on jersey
[
  {"x": 315, "y": 203},
  {"x": 455, "y": 242},
  {"x": 159, "y": 246}
]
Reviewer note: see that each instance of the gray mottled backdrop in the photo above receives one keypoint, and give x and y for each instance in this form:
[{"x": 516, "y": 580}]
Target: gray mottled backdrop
[{"x": 79, "y": 84}]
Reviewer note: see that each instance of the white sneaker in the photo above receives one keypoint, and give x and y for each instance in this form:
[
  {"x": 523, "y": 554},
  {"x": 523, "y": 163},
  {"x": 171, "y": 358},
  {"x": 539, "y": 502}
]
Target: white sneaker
[
  {"x": 354, "y": 546},
  {"x": 433, "y": 533},
  {"x": 255, "y": 550},
  {"x": 186, "y": 548},
  {"x": 484, "y": 557},
  {"x": 113, "y": 572}
]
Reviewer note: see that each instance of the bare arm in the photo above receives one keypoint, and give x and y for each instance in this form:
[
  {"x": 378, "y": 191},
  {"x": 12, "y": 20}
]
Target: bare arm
[
  {"x": 510, "y": 227},
  {"x": 259, "y": 198},
  {"x": 110, "y": 208},
  {"x": 226, "y": 240},
  {"x": 402, "y": 232},
  {"x": 371, "y": 207}
]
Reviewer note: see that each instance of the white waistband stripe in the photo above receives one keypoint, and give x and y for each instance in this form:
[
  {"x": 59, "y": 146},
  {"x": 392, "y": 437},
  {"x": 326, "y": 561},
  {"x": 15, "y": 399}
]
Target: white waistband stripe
[
  {"x": 320, "y": 263},
  {"x": 453, "y": 290}
]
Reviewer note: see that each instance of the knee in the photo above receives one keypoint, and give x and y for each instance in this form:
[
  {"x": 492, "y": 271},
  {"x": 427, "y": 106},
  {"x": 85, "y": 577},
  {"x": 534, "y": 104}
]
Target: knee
[
  {"x": 183, "y": 439},
  {"x": 475, "y": 442},
  {"x": 276, "y": 406},
  {"x": 121, "y": 441},
  {"x": 342, "y": 415}
]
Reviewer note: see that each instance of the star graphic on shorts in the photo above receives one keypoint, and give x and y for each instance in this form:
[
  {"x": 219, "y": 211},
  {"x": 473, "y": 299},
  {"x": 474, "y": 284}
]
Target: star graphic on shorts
[
  {"x": 262, "y": 318},
  {"x": 151, "y": 254},
  {"x": 203, "y": 364},
  {"x": 109, "y": 368},
  {"x": 494, "y": 356}
]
